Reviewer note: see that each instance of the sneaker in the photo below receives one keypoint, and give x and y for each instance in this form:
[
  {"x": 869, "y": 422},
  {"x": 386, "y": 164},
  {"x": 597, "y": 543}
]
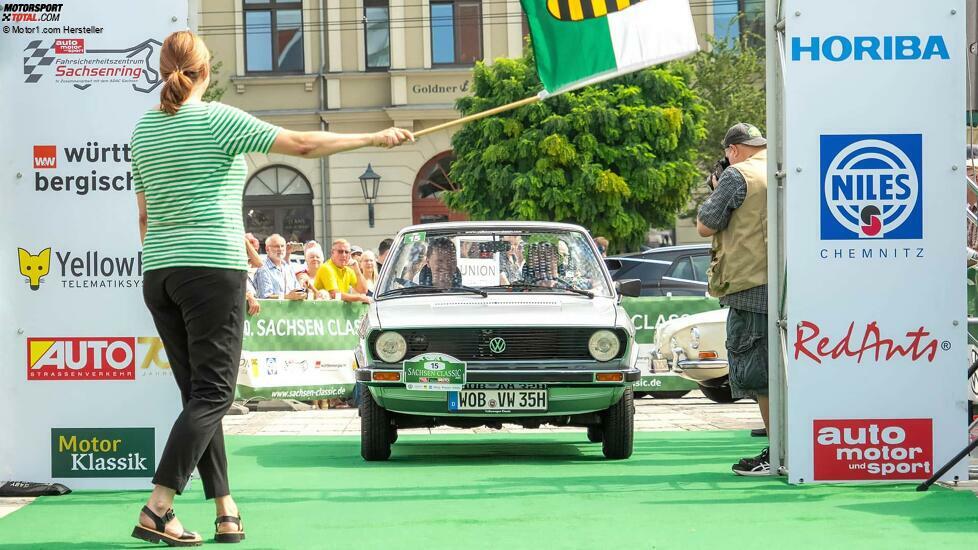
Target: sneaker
[{"x": 759, "y": 465}]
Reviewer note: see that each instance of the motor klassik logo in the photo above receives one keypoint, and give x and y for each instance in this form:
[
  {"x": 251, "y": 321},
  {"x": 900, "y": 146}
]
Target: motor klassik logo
[{"x": 102, "y": 452}]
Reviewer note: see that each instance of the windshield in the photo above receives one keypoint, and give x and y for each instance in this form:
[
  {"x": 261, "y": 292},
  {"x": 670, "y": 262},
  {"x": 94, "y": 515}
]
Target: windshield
[{"x": 494, "y": 261}]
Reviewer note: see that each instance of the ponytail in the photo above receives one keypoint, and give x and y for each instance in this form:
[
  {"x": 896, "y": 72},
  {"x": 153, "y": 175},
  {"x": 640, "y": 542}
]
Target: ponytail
[{"x": 184, "y": 62}]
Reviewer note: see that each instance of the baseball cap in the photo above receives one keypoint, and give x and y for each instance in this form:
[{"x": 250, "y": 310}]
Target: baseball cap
[
  {"x": 354, "y": 250},
  {"x": 743, "y": 133}
]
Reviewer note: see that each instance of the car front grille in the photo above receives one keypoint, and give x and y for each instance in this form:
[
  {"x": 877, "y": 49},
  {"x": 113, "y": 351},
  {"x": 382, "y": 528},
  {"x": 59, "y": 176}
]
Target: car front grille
[{"x": 521, "y": 344}]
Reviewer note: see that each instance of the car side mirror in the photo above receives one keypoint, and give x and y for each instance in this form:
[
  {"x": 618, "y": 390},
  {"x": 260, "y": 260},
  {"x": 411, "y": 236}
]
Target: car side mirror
[
  {"x": 613, "y": 264},
  {"x": 629, "y": 287}
]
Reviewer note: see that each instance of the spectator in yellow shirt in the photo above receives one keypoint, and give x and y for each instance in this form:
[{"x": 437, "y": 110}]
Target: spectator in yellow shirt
[{"x": 341, "y": 276}]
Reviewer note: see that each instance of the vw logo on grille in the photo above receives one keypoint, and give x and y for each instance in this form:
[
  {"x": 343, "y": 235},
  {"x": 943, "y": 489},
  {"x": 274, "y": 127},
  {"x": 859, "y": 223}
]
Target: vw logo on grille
[{"x": 497, "y": 345}]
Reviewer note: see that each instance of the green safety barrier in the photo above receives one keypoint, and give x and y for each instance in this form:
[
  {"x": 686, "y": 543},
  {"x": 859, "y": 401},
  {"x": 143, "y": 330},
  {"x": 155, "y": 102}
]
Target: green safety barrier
[{"x": 304, "y": 350}]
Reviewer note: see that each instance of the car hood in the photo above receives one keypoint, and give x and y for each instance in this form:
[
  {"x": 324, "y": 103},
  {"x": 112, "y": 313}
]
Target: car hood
[
  {"x": 496, "y": 310},
  {"x": 675, "y": 326}
]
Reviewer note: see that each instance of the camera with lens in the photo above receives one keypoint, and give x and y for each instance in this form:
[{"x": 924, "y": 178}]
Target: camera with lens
[{"x": 718, "y": 168}]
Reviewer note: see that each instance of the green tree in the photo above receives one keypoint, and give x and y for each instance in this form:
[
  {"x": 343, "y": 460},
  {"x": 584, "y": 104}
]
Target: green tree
[
  {"x": 215, "y": 91},
  {"x": 617, "y": 158},
  {"x": 729, "y": 78}
]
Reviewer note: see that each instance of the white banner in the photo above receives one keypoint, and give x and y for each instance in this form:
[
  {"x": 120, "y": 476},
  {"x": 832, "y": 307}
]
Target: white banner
[
  {"x": 87, "y": 395},
  {"x": 875, "y": 239}
]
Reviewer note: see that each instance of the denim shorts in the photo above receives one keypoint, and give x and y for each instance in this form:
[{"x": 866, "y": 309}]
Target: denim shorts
[{"x": 747, "y": 352}]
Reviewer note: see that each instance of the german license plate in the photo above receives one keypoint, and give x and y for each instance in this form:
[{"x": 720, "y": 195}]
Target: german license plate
[{"x": 498, "y": 399}]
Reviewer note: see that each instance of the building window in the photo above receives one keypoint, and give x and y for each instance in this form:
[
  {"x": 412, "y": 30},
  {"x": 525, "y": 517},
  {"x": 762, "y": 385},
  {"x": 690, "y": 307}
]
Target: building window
[
  {"x": 376, "y": 26},
  {"x": 431, "y": 183},
  {"x": 278, "y": 199},
  {"x": 456, "y": 32},
  {"x": 273, "y": 37}
]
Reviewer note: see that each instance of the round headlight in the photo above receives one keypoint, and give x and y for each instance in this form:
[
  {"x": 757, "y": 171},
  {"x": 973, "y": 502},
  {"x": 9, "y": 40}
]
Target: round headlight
[
  {"x": 603, "y": 345},
  {"x": 390, "y": 347}
]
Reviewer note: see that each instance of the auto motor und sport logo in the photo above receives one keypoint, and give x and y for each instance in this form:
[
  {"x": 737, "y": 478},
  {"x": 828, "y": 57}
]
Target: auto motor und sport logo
[
  {"x": 71, "y": 62},
  {"x": 867, "y": 342},
  {"x": 873, "y": 449},
  {"x": 871, "y": 187},
  {"x": 88, "y": 269},
  {"x": 103, "y": 452}
]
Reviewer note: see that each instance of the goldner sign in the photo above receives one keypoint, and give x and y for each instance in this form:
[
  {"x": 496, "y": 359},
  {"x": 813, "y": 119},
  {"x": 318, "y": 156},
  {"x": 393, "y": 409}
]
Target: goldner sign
[{"x": 434, "y": 372}]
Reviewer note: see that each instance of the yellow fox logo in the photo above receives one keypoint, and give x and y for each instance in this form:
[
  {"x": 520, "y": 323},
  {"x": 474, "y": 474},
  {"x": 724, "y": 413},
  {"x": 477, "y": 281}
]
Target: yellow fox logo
[{"x": 34, "y": 267}]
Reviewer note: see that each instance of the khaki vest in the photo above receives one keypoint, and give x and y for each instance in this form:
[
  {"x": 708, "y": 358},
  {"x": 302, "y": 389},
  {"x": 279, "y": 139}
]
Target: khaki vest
[{"x": 739, "y": 255}]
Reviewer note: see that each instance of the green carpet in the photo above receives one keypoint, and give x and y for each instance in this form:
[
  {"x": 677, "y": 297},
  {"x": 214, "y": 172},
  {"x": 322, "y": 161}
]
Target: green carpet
[{"x": 504, "y": 491}]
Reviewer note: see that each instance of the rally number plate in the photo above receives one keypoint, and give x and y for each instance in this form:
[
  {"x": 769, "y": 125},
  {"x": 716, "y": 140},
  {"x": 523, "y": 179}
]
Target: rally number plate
[{"x": 498, "y": 400}]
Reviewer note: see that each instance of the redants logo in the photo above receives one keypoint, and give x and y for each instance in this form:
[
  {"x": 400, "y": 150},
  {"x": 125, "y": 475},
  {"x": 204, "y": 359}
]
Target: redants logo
[
  {"x": 877, "y": 449},
  {"x": 81, "y": 358},
  {"x": 919, "y": 345}
]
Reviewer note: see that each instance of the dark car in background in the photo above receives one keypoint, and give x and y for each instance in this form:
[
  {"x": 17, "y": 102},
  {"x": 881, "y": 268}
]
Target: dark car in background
[{"x": 669, "y": 270}]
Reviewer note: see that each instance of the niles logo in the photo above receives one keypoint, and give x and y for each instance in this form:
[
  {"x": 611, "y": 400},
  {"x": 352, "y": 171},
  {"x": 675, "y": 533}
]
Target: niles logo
[
  {"x": 45, "y": 156},
  {"x": 868, "y": 449},
  {"x": 81, "y": 359},
  {"x": 871, "y": 187},
  {"x": 871, "y": 345},
  {"x": 868, "y": 48},
  {"x": 91, "y": 269},
  {"x": 102, "y": 452},
  {"x": 34, "y": 266},
  {"x": 69, "y": 46}
]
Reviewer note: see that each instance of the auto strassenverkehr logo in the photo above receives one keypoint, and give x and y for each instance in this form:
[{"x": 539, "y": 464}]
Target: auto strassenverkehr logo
[
  {"x": 88, "y": 358},
  {"x": 871, "y": 187}
]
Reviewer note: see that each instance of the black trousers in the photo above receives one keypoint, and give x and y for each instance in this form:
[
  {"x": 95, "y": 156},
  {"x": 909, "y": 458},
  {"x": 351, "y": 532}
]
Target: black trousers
[{"x": 199, "y": 315}]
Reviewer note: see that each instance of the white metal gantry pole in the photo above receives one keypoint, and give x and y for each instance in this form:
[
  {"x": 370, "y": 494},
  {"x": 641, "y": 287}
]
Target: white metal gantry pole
[{"x": 775, "y": 238}]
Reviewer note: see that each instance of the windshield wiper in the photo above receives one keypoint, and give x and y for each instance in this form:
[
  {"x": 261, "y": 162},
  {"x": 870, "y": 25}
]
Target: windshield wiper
[
  {"x": 425, "y": 289},
  {"x": 530, "y": 286}
]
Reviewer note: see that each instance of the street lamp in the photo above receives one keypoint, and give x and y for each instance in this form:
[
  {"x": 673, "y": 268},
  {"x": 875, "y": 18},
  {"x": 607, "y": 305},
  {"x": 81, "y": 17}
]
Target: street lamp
[{"x": 370, "y": 184}]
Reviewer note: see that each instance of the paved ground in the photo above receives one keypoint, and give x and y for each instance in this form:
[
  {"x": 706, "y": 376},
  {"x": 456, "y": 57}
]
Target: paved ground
[{"x": 691, "y": 413}]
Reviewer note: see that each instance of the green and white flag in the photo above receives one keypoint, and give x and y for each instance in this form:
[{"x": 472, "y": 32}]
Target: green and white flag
[{"x": 581, "y": 42}]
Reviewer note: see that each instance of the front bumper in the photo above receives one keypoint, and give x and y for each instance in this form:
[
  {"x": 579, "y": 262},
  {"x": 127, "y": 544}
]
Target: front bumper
[
  {"x": 515, "y": 375},
  {"x": 698, "y": 371}
]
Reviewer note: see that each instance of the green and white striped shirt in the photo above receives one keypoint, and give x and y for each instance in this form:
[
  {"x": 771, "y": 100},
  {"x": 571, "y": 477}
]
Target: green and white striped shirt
[{"x": 191, "y": 168}]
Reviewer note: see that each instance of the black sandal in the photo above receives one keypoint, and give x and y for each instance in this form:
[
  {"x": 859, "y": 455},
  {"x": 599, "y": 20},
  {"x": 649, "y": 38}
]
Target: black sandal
[
  {"x": 228, "y": 536},
  {"x": 187, "y": 538}
]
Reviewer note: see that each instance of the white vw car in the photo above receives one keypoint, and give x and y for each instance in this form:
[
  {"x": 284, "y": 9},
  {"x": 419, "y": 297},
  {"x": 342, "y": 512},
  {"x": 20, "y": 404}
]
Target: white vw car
[
  {"x": 695, "y": 348},
  {"x": 481, "y": 323}
]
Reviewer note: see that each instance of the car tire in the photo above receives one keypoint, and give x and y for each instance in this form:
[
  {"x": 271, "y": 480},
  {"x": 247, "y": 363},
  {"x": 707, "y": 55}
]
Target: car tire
[
  {"x": 375, "y": 429},
  {"x": 718, "y": 395},
  {"x": 594, "y": 434},
  {"x": 674, "y": 394},
  {"x": 393, "y": 434},
  {"x": 618, "y": 425}
]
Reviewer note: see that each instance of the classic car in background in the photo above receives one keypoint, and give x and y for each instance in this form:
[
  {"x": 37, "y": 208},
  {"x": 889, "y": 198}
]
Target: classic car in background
[{"x": 695, "y": 348}]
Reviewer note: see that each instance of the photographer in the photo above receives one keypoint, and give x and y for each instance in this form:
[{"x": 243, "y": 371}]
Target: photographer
[{"x": 735, "y": 215}]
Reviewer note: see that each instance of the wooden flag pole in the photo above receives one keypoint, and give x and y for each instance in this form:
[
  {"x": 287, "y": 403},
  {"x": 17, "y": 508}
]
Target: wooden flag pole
[{"x": 477, "y": 116}]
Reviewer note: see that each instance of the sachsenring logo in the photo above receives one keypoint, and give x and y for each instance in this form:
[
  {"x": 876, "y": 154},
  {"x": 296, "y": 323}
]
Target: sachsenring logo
[
  {"x": 82, "y": 66},
  {"x": 871, "y": 186}
]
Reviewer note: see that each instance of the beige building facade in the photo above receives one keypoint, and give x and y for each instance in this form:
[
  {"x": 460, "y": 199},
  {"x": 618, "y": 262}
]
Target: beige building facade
[{"x": 355, "y": 66}]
